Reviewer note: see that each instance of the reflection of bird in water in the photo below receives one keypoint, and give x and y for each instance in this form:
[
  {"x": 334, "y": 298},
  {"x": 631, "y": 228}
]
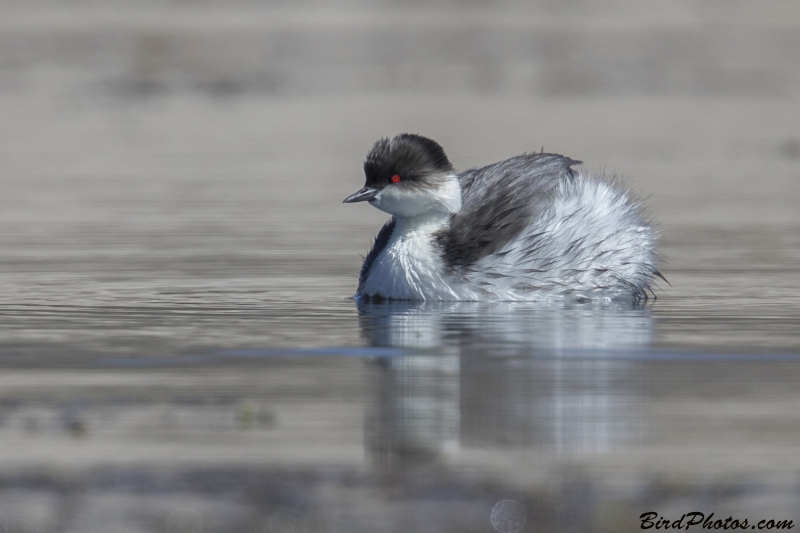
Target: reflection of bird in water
[
  {"x": 504, "y": 375},
  {"x": 501, "y": 329},
  {"x": 527, "y": 228}
]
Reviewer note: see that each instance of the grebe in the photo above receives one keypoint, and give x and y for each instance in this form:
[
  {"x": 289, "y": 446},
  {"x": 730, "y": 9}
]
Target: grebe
[{"x": 527, "y": 228}]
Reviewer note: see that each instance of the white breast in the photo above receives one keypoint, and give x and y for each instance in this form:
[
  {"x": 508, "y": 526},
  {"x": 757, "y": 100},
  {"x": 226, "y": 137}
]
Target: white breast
[{"x": 410, "y": 267}]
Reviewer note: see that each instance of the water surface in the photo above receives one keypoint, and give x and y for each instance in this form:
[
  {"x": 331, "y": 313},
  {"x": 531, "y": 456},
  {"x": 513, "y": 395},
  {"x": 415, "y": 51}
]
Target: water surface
[{"x": 179, "y": 350}]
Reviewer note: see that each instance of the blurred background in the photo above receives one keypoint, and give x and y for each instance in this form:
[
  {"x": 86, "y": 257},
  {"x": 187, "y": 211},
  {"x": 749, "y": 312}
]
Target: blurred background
[
  {"x": 178, "y": 347},
  {"x": 219, "y": 137}
]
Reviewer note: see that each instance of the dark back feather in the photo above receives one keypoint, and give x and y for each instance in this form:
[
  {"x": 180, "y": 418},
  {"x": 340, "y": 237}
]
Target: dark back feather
[
  {"x": 498, "y": 201},
  {"x": 381, "y": 240}
]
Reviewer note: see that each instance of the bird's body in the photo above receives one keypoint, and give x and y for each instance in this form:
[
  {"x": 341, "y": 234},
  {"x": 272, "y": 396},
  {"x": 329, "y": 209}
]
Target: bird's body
[{"x": 527, "y": 228}]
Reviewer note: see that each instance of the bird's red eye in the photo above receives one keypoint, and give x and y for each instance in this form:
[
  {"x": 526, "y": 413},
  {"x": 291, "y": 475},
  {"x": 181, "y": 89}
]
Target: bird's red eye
[{"x": 395, "y": 178}]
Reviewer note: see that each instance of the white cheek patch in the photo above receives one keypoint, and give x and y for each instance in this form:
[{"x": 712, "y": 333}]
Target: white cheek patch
[
  {"x": 412, "y": 202},
  {"x": 403, "y": 202}
]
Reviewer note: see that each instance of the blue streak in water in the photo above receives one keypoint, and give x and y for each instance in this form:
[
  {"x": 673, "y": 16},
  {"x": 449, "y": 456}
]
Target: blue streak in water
[
  {"x": 221, "y": 356},
  {"x": 288, "y": 352},
  {"x": 227, "y": 355}
]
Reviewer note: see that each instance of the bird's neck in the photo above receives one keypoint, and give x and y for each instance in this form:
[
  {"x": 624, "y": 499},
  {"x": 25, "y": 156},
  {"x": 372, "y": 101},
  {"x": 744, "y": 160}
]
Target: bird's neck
[
  {"x": 449, "y": 195},
  {"x": 425, "y": 224},
  {"x": 440, "y": 208}
]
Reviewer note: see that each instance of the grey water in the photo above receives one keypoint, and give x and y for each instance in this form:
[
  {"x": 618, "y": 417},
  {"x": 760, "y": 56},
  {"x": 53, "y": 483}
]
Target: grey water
[{"x": 179, "y": 349}]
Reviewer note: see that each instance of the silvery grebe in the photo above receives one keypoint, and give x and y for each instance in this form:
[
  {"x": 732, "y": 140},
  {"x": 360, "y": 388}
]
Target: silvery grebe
[{"x": 526, "y": 229}]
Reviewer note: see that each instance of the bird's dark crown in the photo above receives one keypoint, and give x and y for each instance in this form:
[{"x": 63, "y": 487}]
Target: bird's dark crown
[{"x": 410, "y": 156}]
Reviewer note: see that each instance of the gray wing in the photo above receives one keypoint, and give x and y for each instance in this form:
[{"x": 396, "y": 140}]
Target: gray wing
[{"x": 498, "y": 201}]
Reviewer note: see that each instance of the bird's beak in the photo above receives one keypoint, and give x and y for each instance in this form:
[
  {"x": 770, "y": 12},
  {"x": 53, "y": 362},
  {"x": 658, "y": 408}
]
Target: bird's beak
[{"x": 364, "y": 195}]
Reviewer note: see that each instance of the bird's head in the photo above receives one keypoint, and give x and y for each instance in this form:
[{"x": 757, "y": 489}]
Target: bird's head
[{"x": 409, "y": 176}]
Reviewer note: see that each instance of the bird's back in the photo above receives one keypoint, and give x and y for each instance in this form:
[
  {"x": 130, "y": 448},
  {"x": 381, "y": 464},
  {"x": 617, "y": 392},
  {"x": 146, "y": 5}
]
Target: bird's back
[
  {"x": 498, "y": 202},
  {"x": 585, "y": 239}
]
